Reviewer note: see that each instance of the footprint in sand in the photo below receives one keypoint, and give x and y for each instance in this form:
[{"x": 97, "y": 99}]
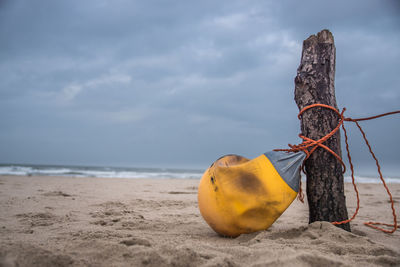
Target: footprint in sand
[
  {"x": 38, "y": 218},
  {"x": 136, "y": 242},
  {"x": 29, "y": 255},
  {"x": 116, "y": 213},
  {"x": 35, "y": 219},
  {"x": 56, "y": 194},
  {"x": 179, "y": 193}
]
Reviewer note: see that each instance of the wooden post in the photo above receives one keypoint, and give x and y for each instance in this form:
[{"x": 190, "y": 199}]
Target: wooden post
[{"x": 314, "y": 83}]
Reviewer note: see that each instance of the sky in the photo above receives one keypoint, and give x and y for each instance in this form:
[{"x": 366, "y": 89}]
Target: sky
[{"x": 181, "y": 83}]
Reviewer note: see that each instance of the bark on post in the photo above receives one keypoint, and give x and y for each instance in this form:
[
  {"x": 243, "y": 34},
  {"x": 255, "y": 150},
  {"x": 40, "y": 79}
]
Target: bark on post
[{"x": 314, "y": 83}]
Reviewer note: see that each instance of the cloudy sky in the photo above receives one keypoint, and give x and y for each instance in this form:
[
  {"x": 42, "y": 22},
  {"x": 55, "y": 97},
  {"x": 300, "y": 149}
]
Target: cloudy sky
[{"x": 180, "y": 83}]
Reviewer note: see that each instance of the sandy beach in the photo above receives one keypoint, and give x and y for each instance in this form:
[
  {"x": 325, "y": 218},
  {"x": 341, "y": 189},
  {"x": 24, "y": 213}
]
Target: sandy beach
[{"x": 61, "y": 221}]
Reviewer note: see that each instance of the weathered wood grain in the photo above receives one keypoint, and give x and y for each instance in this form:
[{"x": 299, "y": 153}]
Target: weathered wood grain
[{"x": 315, "y": 83}]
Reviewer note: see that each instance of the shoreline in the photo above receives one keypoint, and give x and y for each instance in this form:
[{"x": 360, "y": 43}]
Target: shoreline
[{"x": 80, "y": 221}]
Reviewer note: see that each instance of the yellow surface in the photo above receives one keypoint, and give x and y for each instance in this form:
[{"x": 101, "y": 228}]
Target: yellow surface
[{"x": 238, "y": 196}]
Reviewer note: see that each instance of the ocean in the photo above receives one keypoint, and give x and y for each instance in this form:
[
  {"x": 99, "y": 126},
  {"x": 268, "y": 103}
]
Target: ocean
[
  {"x": 131, "y": 173},
  {"x": 99, "y": 172}
]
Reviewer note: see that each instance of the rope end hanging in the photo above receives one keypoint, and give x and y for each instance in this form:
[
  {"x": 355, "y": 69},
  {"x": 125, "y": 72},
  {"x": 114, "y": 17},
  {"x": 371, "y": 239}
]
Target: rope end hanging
[
  {"x": 300, "y": 195},
  {"x": 308, "y": 146}
]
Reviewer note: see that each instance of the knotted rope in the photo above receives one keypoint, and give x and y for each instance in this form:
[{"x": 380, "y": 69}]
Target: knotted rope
[{"x": 309, "y": 145}]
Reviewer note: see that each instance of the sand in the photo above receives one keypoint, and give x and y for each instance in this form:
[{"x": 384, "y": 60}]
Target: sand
[{"x": 61, "y": 221}]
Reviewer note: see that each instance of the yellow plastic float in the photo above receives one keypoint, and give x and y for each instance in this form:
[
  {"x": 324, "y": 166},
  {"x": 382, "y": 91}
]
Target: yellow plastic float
[{"x": 237, "y": 195}]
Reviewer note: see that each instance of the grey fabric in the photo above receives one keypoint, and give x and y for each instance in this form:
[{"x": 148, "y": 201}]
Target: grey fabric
[{"x": 288, "y": 166}]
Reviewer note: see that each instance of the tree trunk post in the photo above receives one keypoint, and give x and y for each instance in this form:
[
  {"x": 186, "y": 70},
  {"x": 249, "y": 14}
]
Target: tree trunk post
[{"x": 314, "y": 83}]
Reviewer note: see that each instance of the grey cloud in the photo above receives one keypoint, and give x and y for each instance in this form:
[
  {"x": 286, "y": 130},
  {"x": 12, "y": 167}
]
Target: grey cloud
[{"x": 180, "y": 83}]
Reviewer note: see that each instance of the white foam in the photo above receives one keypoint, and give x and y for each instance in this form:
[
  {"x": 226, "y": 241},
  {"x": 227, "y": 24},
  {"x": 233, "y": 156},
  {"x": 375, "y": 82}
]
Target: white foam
[
  {"x": 109, "y": 172},
  {"x": 14, "y": 170},
  {"x": 96, "y": 172},
  {"x": 371, "y": 180}
]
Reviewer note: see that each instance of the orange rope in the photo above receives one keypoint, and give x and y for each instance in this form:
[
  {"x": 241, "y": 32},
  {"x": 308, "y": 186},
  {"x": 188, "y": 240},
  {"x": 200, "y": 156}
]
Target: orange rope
[{"x": 308, "y": 146}]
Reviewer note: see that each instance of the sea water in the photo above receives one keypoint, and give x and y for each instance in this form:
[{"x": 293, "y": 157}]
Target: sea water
[
  {"x": 103, "y": 172},
  {"x": 122, "y": 172}
]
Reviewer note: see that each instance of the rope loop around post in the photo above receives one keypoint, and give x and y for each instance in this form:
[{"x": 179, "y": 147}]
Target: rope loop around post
[{"x": 309, "y": 145}]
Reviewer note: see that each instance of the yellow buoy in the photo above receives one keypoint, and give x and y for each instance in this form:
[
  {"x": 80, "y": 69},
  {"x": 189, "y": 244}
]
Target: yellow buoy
[{"x": 237, "y": 195}]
